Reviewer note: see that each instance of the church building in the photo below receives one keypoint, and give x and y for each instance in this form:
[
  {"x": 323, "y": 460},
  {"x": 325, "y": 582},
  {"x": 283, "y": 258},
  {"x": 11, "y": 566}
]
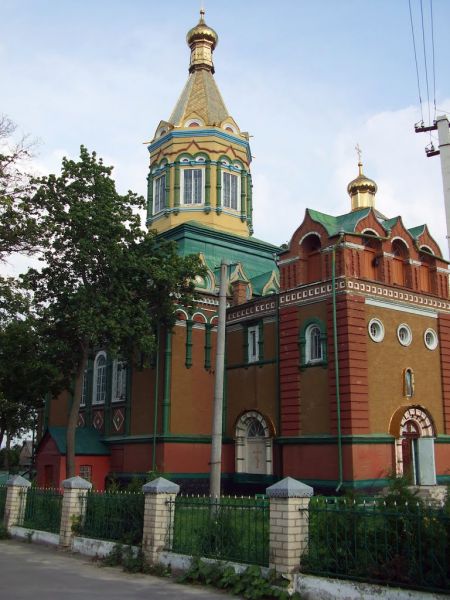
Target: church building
[{"x": 337, "y": 367}]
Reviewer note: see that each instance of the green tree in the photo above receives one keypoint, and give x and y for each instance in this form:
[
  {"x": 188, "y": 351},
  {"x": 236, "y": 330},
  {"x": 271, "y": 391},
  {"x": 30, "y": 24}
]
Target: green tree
[
  {"x": 106, "y": 283},
  {"x": 19, "y": 228},
  {"x": 25, "y": 373}
]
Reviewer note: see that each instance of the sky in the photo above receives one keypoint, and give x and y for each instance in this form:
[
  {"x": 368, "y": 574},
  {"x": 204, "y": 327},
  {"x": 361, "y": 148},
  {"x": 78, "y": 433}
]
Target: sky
[{"x": 308, "y": 79}]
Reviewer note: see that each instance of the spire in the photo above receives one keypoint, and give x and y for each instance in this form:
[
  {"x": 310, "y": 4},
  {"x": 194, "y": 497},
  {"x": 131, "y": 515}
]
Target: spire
[
  {"x": 362, "y": 190},
  {"x": 202, "y": 40}
]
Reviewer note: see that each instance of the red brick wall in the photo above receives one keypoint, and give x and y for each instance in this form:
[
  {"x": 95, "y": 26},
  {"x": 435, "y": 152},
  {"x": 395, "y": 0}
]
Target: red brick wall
[
  {"x": 289, "y": 372},
  {"x": 353, "y": 367}
]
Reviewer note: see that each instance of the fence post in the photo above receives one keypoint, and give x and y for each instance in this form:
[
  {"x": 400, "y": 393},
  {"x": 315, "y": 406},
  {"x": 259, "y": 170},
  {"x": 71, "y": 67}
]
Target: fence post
[
  {"x": 16, "y": 499},
  {"x": 73, "y": 507},
  {"x": 288, "y": 536},
  {"x": 159, "y": 494}
]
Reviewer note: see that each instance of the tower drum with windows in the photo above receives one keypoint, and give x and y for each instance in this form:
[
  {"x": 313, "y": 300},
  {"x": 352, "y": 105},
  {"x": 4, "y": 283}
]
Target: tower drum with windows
[{"x": 199, "y": 158}]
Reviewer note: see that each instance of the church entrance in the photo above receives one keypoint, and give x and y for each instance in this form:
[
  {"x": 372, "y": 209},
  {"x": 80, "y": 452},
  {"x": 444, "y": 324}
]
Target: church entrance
[
  {"x": 253, "y": 444},
  {"x": 415, "y": 446}
]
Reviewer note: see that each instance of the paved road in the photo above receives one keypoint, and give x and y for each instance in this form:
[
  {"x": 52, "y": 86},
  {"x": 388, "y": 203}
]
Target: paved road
[{"x": 35, "y": 572}]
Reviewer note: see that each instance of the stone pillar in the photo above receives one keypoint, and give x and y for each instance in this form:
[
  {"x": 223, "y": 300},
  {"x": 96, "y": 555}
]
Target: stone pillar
[
  {"x": 288, "y": 537},
  {"x": 73, "y": 507},
  {"x": 16, "y": 499},
  {"x": 158, "y": 520}
]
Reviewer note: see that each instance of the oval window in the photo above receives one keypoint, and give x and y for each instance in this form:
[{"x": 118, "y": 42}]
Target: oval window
[{"x": 376, "y": 330}]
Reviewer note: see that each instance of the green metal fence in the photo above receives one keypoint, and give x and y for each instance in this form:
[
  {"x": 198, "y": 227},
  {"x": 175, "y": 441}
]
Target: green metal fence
[
  {"x": 118, "y": 516},
  {"x": 226, "y": 528},
  {"x": 43, "y": 509},
  {"x": 3, "y": 490},
  {"x": 406, "y": 545}
]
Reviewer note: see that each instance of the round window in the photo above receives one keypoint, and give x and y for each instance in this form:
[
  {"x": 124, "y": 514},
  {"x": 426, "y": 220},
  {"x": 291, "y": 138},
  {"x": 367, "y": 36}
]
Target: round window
[
  {"x": 431, "y": 339},
  {"x": 404, "y": 334},
  {"x": 376, "y": 330}
]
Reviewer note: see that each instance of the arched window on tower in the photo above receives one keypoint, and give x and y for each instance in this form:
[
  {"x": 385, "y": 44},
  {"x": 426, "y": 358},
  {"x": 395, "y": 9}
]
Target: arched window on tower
[
  {"x": 399, "y": 263},
  {"x": 372, "y": 256},
  {"x": 310, "y": 259},
  {"x": 428, "y": 279}
]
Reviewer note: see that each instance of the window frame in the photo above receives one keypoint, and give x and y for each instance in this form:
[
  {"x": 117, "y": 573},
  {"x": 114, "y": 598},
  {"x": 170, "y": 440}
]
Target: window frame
[
  {"x": 435, "y": 342},
  {"x": 305, "y": 343},
  {"x": 161, "y": 205},
  {"x": 237, "y": 176},
  {"x": 192, "y": 167},
  {"x": 122, "y": 364},
  {"x": 253, "y": 357},
  {"x": 407, "y": 342},
  {"x": 376, "y": 338},
  {"x": 95, "y": 401}
]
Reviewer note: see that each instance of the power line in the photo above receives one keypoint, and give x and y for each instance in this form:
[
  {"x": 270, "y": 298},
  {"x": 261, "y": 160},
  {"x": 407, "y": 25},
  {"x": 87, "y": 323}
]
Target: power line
[
  {"x": 415, "y": 58},
  {"x": 425, "y": 62},
  {"x": 434, "y": 69}
]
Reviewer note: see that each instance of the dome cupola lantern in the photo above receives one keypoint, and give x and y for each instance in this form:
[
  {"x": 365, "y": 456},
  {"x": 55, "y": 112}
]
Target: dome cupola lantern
[
  {"x": 202, "y": 40},
  {"x": 362, "y": 190}
]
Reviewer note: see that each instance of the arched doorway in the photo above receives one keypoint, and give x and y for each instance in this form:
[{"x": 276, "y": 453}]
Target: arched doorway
[
  {"x": 253, "y": 444},
  {"x": 414, "y": 446}
]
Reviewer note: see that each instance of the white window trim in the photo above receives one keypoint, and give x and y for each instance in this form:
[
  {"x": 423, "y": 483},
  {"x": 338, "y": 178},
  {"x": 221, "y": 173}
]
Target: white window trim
[
  {"x": 434, "y": 343},
  {"x": 308, "y": 359},
  {"x": 155, "y": 180},
  {"x": 238, "y": 190},
  {"x": 408, "y": 341},
  {"x": 376, "y": 338},
  {"x": 200, "y": 167},
  {"x": 253, "y": 357},
  {"x": 115, "y": 374},
  {"x": 94, "y": 387}
]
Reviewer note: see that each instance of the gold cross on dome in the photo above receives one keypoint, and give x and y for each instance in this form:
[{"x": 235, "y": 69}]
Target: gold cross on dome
[{"x": 359, "y": 152}]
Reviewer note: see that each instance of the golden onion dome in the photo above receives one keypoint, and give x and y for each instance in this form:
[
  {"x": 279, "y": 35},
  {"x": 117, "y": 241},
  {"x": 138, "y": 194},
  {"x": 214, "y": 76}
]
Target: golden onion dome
[
  {"x": 362, "y": 183},
  {"x": 201, "y": 32}
]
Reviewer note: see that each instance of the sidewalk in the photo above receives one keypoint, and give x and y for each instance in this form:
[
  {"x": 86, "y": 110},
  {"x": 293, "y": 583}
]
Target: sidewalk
[{"x": 34, "y": 572}]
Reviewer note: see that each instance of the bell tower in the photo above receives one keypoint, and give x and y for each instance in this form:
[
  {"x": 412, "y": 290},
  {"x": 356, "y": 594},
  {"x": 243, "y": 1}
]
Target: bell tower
[{"x": 199, "y": 158}]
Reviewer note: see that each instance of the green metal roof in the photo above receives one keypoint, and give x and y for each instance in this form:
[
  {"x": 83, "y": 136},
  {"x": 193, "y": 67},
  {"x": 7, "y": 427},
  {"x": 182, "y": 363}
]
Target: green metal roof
[
  {"x": 87, "y": 441},
  {"x": 417, "y": 231},
  {"x": 388, "y": 224},
  {"x": 256, "y": 256},
  {"x": 342, "y": 223},
  {"x": 259, "y": 282}
]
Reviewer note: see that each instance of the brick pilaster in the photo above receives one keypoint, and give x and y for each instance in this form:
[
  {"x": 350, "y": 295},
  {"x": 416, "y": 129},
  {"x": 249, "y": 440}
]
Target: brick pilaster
[
  {"x": 444, "y": 350},
  {"x": 16, "y": 499},
  {"x": 160, "y": 496},
  {"x": 353, "y": 368},
  {"x": 289, "y": 371},
  {"x": 289, "y": 523},
  {"x": 73, "y": 507}
]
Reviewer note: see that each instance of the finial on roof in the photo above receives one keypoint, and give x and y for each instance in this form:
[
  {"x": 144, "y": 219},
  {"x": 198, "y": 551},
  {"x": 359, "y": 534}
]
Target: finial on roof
[
  {"x": 202, "y": 40},
  {"x": 362, "y": 190}
]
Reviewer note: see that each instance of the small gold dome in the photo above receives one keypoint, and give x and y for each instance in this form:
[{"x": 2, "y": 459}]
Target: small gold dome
[
  {"x": 362, "y": 183},
  {"x": 362, "y": 190},
  {"x": 202, "y": 32}
]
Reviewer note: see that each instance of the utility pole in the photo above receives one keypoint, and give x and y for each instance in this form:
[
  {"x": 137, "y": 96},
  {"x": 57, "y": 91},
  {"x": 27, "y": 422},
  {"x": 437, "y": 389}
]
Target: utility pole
[
  {"x": 216, "y": 437},
  {"x": 442, "y": 125}
]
